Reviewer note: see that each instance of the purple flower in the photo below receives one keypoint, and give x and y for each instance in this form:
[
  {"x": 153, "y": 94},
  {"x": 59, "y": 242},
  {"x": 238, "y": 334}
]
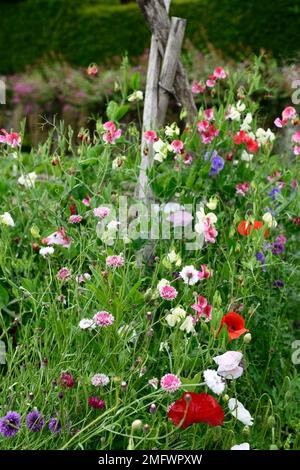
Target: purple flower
[
  {"x": 277, "y": 248},
  {"x": 261, "y": 257},
  {"x": 278, "y": 283},
  {"x": 217, "y": 164},
  {"x": 35, "y": 421},
  {"x": 281, "y": 239},
  {"x": 54, "y": 426},
  {"x": 273, "y": 193},
  {"x": 10, "y": 424}
]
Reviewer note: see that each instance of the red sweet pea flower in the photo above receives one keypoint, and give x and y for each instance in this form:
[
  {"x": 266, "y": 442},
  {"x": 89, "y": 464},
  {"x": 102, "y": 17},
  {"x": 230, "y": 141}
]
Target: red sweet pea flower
[
  {"x": 242, "y": 138},
  {"x": 235, "y": 325},
  {"x": 245, "y": 228},
  {"x": 196, "y": 408}
]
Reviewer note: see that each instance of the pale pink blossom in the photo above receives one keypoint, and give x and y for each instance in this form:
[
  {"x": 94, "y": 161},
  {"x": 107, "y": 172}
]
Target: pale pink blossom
[
  {"x": 190, "y": 275},
  {"x": 58, "y": 238},
  {"x": 170, "y": 383},
  {"x": 229, "y": 364},
  {"x": 168, "y": 292},
  {"x": 75, "y": 219},
  {"x": 211, "y": 81},
  {"x": 296, "y": 137},
  {"x": 115, "y": 261},
  {"x": 209, "y": 114},
  {"x": 82, "y": 278},
  {"x": 288, "y": 113},
  {"x": 103, "y": 318},
  {"x": 101, "y": 212},
  {"x": 100, "y": 380},
  {"x": 87, "y": 200}
]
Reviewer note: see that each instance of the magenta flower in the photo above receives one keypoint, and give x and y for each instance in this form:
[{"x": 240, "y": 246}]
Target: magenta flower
[
  {"x": 12, "y": 139},
  {"x": 150, "y": 136},
  {"x": 96, "y": 403},
  {"x": 75, "y": 219},
  {"x": 115, "y": 261},
  {"x": 103, "y": 318},
  {"x": 168, "y": 292},
  {"x": 219, "y": 72},
  {"x": 64, "y": 274},
  {"x": 203, "y": 309},
  {"x": 204, "y": 273},
  {"x": 242, "y": 188},
  {"x": 177, "y": 146},
  {"x": 101, "y": 212},
  {"x": 170, "y": 383},
  {"x": 112, "y": 133},
  {"x": 209, "y": 114},
  {"x": 58, "y": 238},
  {"x": 87, "y": 200}
]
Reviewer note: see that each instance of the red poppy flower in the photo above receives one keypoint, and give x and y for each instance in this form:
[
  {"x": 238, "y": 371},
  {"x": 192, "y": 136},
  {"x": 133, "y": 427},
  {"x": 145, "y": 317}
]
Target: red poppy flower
[
  {"x": 235, "y": 325},
  {"x": 245, "y": 228},
  {"x": 196, "y": 408}
]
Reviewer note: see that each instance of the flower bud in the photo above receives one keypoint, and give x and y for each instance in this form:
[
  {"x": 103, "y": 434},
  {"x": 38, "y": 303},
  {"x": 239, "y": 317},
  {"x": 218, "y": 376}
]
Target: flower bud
[
  {"x": 136, "y": 424},
  {"x": 246, "y": 431},
  {"x": 271, "y": 421},
  {"x": 247, "y": 338},
  {"x": 153, "y": 408}
]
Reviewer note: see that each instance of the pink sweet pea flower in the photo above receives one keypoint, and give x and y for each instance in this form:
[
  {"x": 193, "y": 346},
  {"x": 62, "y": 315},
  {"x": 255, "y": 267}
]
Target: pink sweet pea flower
[
  {"x": 58, "y": 238},
  {"x": 177, "y": 146},
  {"x": 12, "y": 139},
  {"x": 87, "y": 200},
  {"x": 219, "y": 72},
  {"x": 211, "y": 81},
  {"x": 204, "y": 273},
  {"x": 203, "y": 309},
  {"x": 112, "y": 133},
  {"x": 242, "y": 188},
  {"x": 297, "y": 150},
  {"x": 296, "y": 137},
  {"x": 150, "y": 136},
  {"x": 209, "y": 114},
  {"x": 209, "y": 232},
  {"x": 196, "y": 89},
  {"x": 288, "y": 113},
  {"x": 180, "y": 218}
]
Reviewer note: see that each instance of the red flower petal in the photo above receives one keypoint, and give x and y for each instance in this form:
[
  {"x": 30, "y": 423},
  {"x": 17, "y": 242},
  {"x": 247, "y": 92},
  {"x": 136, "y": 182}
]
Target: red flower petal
[
  {"x": 196, "y": 408},
  {"x": 235, "y": 325},
  {"x": 245, "y": 228}
]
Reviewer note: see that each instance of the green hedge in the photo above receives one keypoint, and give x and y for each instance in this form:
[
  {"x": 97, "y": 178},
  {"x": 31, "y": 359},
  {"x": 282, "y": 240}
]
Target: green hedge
[{"x": 87, "y": 31}]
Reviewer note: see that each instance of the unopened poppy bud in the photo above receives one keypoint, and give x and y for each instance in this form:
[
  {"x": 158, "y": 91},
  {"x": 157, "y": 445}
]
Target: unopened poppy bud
[
  {"x": 149, "y": 316},
  {"x": 271, "y": 421},
  {"x": 273, "y": 447},
  {"x": 247, "y": 338},
  {"x": 136, "y": 424},
  {"x": 123, "y": 386},
  {"x": 146, "y": 428},
  {"x": 153, "y": 408},
  {"x": 225, "y": 398},
  {"x": 246, "y": 431},
  {"x": 187, "y": 398},
  {"x": 150, "y": 333}
]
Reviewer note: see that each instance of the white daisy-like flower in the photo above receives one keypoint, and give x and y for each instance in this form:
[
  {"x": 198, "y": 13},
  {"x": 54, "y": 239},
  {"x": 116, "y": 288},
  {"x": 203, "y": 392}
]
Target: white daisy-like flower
[
  {"x": 100, "y": 380},
  {"x": 238, "y": 410},
  {"x": 214, "y": 381},
  {"x": 190, "y": 275}
]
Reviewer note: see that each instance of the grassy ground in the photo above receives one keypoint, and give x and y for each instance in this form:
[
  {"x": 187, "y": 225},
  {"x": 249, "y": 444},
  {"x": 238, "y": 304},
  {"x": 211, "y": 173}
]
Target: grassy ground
[{"x": 40, "y": 314}]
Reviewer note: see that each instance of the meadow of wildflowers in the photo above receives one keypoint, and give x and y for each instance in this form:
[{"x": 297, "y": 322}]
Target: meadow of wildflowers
[{"x": 193, "y": 346}]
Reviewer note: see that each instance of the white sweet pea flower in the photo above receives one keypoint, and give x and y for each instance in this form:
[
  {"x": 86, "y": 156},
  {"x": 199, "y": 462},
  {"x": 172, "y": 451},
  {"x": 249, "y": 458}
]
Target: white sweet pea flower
[
  {"x": 212, "y": 203},
  {"x": 172, "y": 129},
  {"x": 228, "y": 363},
  {"x": 246, "y": 123},
  {"x": 136, "y": 96},
  {"x": 28, "y": 181},
  {"x": 243, "y": 446},
  {"x": 246, "y": 157},
  {"x": 174, "y": 258},
  {"x": 187, "y": 325},
  {"x": 176, "y": 315},
  {"x": 263, "y": 136},
  {"x": 214, "y": 381},
  {"x": 160, "y": 150},
  {"x": 238, "y": 410},
  {"x": 6, "y": 219},
  {"x": 86, "y": 324},
  {"x": 269, "y": 220}
]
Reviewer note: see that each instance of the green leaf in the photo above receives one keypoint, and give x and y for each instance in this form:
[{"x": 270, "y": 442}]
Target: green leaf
[
  {"x": 4, "y": 296},
  {"x": 135, "y": 81}
]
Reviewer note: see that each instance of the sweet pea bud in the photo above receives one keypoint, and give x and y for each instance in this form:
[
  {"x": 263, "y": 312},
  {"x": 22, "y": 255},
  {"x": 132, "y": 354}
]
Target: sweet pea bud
[
  {"x": 136, "y": 424},
  {"x": 247, "y": 338},
  {"x": 225, "y": 398},
  {"x": 271, "y": 421}
]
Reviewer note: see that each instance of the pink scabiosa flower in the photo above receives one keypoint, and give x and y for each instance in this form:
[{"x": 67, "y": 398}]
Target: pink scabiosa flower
[
  {"x": 66, "y": 380},
  {"x": 75, "y": 219},
  {"x": 115, "y": 261},
  {"x": 64, "y": 274},
  {"x": 101, "y": 212},
  {"x": 168, "y": 292},
  {"x": 170, "y": 383},
  {"x": 96, "y": 402},
  {"x": 111, "y": 132},
  {"x": 219, "y": 72},
  {"x": 100, "y": 380},
  {"x": 177, "y": 146},
  {"x": 12, "y": 139},
  {"x": 103, "y": 318},
  {"x": 150, "y": 136}
]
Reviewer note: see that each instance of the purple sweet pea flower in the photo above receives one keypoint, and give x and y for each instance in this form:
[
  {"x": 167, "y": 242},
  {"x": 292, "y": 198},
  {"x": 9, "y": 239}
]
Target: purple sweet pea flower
[
  {"x": 261, "y": 257},
  {"x": 277, "y": 248},
  {"x": 217, "y": 164}
]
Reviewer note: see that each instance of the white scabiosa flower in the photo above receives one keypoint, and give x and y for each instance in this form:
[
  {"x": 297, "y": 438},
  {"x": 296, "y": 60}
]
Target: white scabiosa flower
[
  {"x": 100, "y": 380},
  {"x": 190, "y": 275},
  {"x": 238, "y": 410},
  {"x": 214, "y": 381},
  {"x": 6, "y": 219},
  {"x": 86, "y": 324},
  {"x": 46, "y": 251}
]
